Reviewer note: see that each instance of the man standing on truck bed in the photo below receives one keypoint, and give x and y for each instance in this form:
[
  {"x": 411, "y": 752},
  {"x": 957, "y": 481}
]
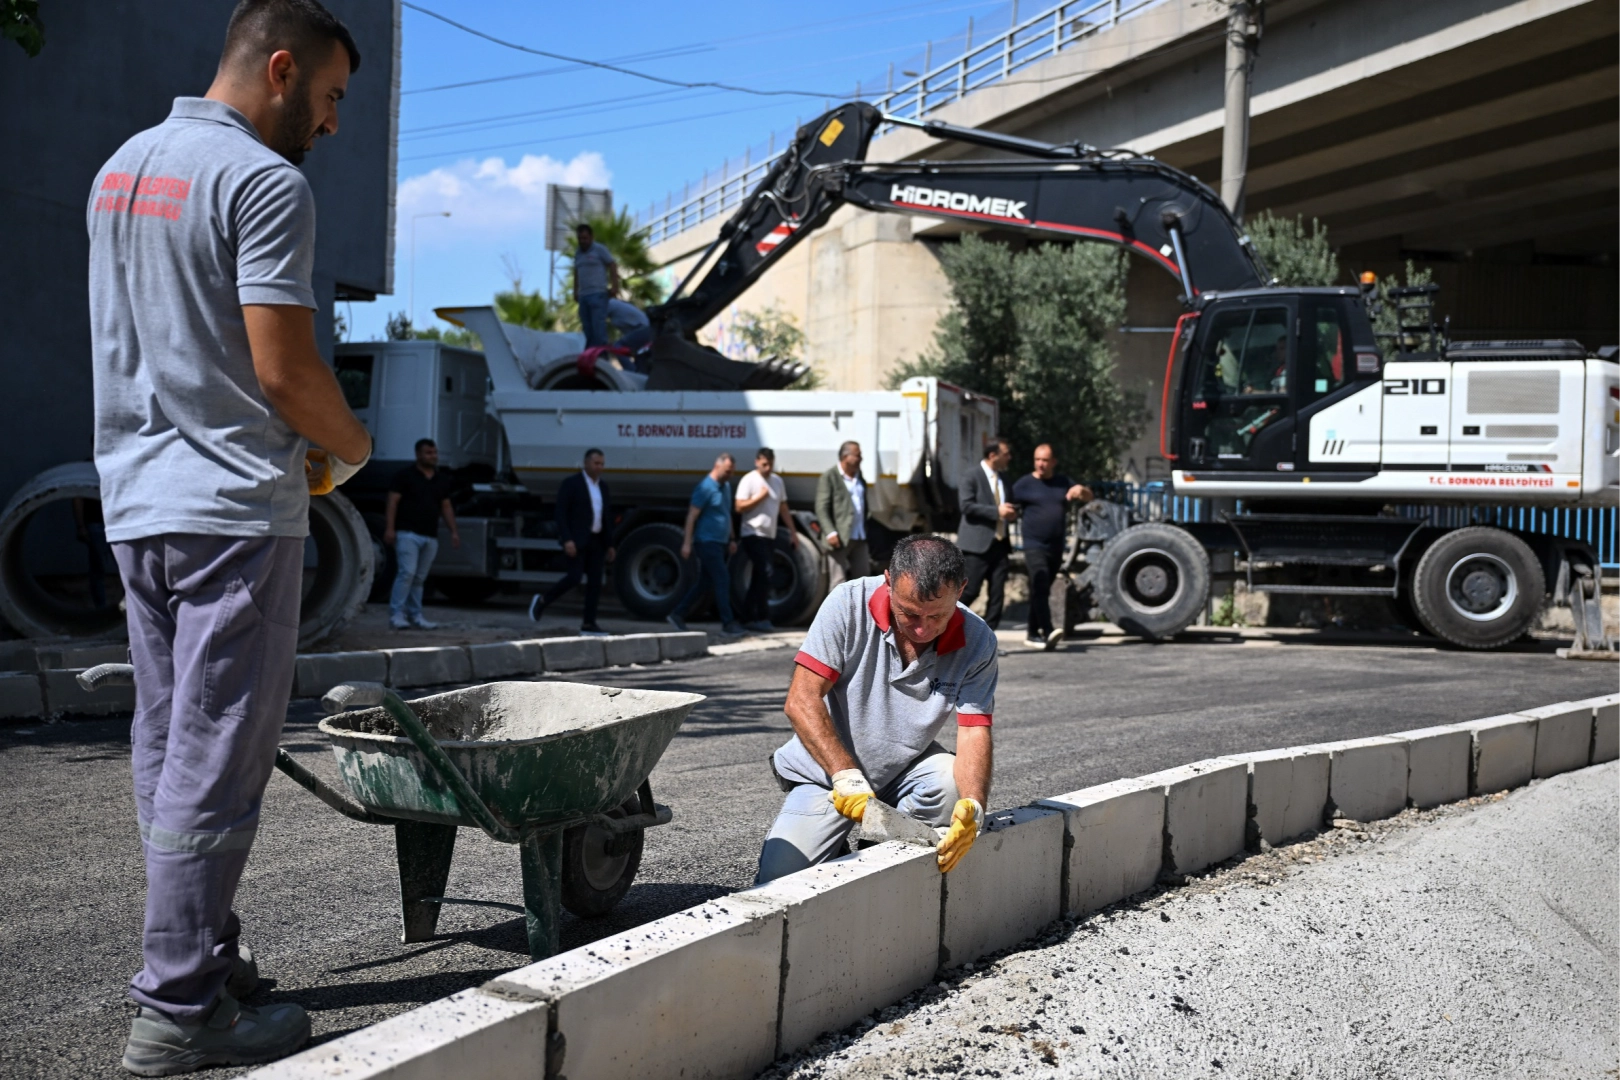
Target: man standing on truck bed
[
  {"x": 596, "y": 281},
  {"x": 208, "y": 383},
  {"x": 417, "y": 497},
  {"x": 841, "y": 512},
  {"x": 886, "y": 663},
  {"x": 587, "y": 538},
  {"x": 1043, "y": 499}
]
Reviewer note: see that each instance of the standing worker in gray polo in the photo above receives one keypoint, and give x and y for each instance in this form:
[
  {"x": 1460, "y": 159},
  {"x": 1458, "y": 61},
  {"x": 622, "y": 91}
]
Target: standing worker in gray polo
[
  {"x": 887, "y": 662},
  {"x": 209, "y": 389}
]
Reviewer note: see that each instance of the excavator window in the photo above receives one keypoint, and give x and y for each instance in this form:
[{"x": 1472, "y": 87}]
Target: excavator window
[
  {"x": 1324, "y": 347},
  {"x": 1243, "y": 381}
]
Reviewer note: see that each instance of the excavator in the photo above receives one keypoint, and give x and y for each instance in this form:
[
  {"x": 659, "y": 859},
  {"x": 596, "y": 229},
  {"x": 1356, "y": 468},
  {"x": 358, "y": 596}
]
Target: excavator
[{"x": 1283, "y": 398}]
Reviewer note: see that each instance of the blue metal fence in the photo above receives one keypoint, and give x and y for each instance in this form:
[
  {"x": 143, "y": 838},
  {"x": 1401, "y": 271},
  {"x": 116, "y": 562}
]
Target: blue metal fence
[{"x": 1598, "y": 526}]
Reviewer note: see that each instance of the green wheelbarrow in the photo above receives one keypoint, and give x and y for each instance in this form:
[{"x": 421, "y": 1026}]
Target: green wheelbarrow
[{"x": 559, "y": 769}]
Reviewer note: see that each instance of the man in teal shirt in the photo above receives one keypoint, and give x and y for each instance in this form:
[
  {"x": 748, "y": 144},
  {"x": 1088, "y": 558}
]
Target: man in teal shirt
[{"x": 708, "y": 533}]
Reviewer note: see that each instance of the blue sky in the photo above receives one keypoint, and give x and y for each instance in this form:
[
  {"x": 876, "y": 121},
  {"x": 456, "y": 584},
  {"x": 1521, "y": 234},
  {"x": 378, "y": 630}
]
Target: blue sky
[{"x": 485, "y": 152}]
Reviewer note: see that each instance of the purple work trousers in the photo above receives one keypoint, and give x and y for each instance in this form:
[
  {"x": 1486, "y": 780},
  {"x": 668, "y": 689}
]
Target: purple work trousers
[{"x": 213, "y": 631}]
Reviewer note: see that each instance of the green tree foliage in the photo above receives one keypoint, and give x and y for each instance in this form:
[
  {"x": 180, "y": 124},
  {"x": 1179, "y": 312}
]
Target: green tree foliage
[
  {"x": 20, "y": 22},
  {"x": 1386, "y": 317},
  {"x": 774, "y": 332},
  {"x": 400, "y": 328},
  {"x": 531, "y": 309},
  {"x": 1294, "y": 256},
  {"x": 1031, "y": 329}
]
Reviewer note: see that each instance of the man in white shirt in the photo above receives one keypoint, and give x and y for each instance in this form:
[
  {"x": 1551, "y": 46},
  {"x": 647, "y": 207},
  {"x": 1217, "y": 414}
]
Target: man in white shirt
[
  {"x": 762, "y": 502},
  {"x": 841, "y": 512},
  {"x": 587, "y": 539}
]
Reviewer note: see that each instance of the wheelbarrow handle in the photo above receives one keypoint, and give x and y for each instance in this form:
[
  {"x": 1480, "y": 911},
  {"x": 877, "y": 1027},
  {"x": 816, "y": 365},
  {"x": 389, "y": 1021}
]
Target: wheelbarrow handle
[
  {"x": 361, "y": 695},
  {"x": 95, "y": 678}
]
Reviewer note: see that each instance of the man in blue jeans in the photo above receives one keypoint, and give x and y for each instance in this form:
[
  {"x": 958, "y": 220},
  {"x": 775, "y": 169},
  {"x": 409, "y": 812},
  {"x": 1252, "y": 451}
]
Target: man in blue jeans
[
  {"x": 596, "y": 281},
  {"x": 418, "y": 496},
  {"x": 708, "y": 533}
]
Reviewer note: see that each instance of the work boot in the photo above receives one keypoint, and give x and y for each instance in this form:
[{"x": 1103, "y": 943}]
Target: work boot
[
  {"x": 676, "y": 621},
  {"x": 230, "y": 1034},
  {"x": 424, "y": 624},
  {"x": 732, "y": 629},
  {"x": 244, "y": 976}
]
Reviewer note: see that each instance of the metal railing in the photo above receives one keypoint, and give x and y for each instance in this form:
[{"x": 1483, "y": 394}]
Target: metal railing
[
  {"x": 1025, "y": 41},
  {"x": 1597, "y": 526}
]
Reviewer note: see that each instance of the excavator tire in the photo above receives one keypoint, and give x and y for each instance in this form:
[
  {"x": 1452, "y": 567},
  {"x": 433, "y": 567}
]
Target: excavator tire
[
  {"x": 649, "y": 573},
  {"x": 1152, "y": 580},
  {"x": 1478, "y": 587},
  {"x": 798, "y": 581}
]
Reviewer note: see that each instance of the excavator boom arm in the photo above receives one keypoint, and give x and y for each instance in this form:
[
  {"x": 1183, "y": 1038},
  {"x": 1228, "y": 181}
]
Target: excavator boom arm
[{"x": 1058, "y": 191}]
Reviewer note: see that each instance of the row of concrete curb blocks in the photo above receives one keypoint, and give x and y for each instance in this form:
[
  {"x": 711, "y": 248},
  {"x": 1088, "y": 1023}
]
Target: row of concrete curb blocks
[
  {"x": 442, "y": 664},
  {"x": 28, "y": 695},
  {"x": 724, "y": 988},
  {"x": 16, "y": 656}
]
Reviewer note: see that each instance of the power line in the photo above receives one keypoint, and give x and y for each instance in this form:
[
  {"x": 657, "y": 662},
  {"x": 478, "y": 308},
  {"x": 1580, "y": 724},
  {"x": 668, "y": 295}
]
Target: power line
[
  {"x": 616, "y": 68},
  {"x": 661, "y": 54},
  {"x": 583, "y": 108}
]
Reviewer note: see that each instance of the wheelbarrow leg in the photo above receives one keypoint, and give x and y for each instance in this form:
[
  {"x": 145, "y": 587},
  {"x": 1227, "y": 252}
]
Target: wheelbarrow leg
[
  {"x": 542, "y": 890},
  {"x": 424, "y": 869}
]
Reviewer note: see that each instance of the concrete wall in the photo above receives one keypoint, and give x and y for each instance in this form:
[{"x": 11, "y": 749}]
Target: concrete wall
[{"x": 108, "y": 70}]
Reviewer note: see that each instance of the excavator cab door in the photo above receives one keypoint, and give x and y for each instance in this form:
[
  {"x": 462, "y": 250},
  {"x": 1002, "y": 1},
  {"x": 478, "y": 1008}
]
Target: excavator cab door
[{"x": 1239, "y": 401}]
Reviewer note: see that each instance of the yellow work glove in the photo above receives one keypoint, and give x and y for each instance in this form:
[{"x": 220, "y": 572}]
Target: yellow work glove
[
  {"x": 850, "y": 792},
  {"x": 324, "y": 471},
  {"x": 966, "y": 821}
]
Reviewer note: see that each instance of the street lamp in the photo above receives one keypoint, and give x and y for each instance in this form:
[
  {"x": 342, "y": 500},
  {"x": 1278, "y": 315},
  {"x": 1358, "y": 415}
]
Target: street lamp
[{"x": 411, "y": 312}]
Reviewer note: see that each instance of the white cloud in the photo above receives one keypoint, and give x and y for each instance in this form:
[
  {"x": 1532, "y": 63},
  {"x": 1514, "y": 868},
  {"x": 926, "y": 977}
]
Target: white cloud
[{"x": 492, "y": 199}]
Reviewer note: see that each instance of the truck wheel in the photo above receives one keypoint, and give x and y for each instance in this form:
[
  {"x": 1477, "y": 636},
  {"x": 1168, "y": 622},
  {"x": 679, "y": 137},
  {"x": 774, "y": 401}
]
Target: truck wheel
[
  {"x": 1478, "y": 587},
  {"x": 595, "y": 873},
  {"x": 798, "y": 583},
  {"x": 339, "y": 563},
  {"x": 649, "y": 573},
  {"x": 1152, "y": 580},
  {"x": 50, "y": 582}
]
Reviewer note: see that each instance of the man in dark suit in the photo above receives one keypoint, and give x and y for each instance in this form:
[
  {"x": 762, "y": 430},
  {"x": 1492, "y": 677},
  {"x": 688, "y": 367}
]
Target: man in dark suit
[
  {"x": 982, "y": 534},
  {"x": 587, "y": 540}
]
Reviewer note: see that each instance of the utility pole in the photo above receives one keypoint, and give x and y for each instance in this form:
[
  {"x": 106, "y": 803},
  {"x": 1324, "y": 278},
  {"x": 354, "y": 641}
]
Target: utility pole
[{"x": 1244, "y": 21}]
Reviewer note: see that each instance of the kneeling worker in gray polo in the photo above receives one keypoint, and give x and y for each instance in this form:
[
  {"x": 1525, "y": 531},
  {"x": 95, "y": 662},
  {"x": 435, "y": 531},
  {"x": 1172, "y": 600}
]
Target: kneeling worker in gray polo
[{"x": 886, "y": 664}]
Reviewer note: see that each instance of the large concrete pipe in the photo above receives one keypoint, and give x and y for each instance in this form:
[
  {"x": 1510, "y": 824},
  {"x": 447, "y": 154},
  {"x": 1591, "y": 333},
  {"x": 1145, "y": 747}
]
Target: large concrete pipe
[{"x": 58, "y": 579}]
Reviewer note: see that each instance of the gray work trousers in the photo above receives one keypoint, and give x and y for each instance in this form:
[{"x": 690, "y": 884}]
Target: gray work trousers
[
  {"x": 809, "y": 831},
  {"x": 213, "y": 631}
]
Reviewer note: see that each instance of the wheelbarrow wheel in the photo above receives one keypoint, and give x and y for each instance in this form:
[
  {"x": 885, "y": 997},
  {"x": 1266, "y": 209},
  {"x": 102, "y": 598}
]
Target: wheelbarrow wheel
[{"x": 599, "y": 868}]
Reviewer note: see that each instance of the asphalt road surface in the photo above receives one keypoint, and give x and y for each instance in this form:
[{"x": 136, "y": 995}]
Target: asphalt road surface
[{"x": 318, "y": 900}]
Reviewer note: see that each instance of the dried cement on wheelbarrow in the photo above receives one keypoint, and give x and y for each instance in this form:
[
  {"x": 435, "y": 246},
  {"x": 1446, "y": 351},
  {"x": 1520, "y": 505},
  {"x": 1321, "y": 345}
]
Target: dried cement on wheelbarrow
[{"x": 504, "y": 711}]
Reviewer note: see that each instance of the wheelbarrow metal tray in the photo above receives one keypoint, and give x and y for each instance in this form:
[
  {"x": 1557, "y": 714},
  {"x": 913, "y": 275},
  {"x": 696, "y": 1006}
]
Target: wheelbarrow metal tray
[{"x": 535, "y": 752}]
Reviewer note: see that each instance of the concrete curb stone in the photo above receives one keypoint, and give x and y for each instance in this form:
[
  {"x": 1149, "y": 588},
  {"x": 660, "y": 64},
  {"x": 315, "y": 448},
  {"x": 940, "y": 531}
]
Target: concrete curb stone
[
  {"x": 63, "y": 694},
  {"x": 1605, "y": 727},
  {"x": 572, "y": 653},
  {"x": 1206, "y": 812},
  {"x": 1113, "y": 840},
  {"x": 500, "y": 659},
  {"x": 1504, "y": 753},
  {"x": 428, "y": 665},
  {"x": 1563, "y": 737},
  {"x": 862, "y": 932},
  {"x": 632, "y": 649},
  {"x": 472, "y": 1035},
  {"x": 1438, "y": 760},
  {"x": 683, "y": 645},
  {"x": 1008, "y": 885},
  {"x": 21, "y": 695},
  {"x": 316, "y": 673},
  {"x": 1367, "y": 777},
  {"x": 692, "y": 994},
  {"x": 1288, "y": 791}
]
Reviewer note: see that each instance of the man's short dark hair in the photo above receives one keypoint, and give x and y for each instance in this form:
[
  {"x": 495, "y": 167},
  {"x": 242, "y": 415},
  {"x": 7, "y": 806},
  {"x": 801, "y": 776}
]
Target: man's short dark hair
[
  {"x": 996, "y": 443},
  {"x": 725, "y": 455},
  {"x": 845, "y": 447},
  {"x": 933, "y": 564},
  {"x": 259, "y": 28},
  {"x": 583, "y": 227},
  {"x": 593, "y": 450},
  {"x": 425, "y": 442},
  {"x": 767, "y": 453}
]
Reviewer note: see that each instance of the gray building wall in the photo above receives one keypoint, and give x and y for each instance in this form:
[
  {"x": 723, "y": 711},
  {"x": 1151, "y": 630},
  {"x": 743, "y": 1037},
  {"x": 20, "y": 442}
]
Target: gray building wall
[{"x": 109, "y": 69}]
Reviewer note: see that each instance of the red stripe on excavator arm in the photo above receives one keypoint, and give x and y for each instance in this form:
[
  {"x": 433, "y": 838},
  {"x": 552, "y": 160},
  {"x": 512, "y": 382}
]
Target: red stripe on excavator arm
[{"x": 1169, "y": 371}]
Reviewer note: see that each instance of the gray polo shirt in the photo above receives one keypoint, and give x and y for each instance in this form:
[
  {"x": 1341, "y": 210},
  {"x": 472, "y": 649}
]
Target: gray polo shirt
[
  {"x": 189, "y": 221},
  {"x": 591, "y": 268},
  {"x": 888, "y": 713}
]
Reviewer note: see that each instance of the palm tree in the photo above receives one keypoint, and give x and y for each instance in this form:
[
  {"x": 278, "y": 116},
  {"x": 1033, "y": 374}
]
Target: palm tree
[{"x": 628, "y": 246}]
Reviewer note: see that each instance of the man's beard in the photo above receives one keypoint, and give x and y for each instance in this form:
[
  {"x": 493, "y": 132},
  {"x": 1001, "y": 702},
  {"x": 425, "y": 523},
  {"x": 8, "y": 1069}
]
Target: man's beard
[{"x": 295, "y": 125}]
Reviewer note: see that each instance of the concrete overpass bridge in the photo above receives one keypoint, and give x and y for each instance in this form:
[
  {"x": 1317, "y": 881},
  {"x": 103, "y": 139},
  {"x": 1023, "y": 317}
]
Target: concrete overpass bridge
[{"x": 1478, "y": 137}]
